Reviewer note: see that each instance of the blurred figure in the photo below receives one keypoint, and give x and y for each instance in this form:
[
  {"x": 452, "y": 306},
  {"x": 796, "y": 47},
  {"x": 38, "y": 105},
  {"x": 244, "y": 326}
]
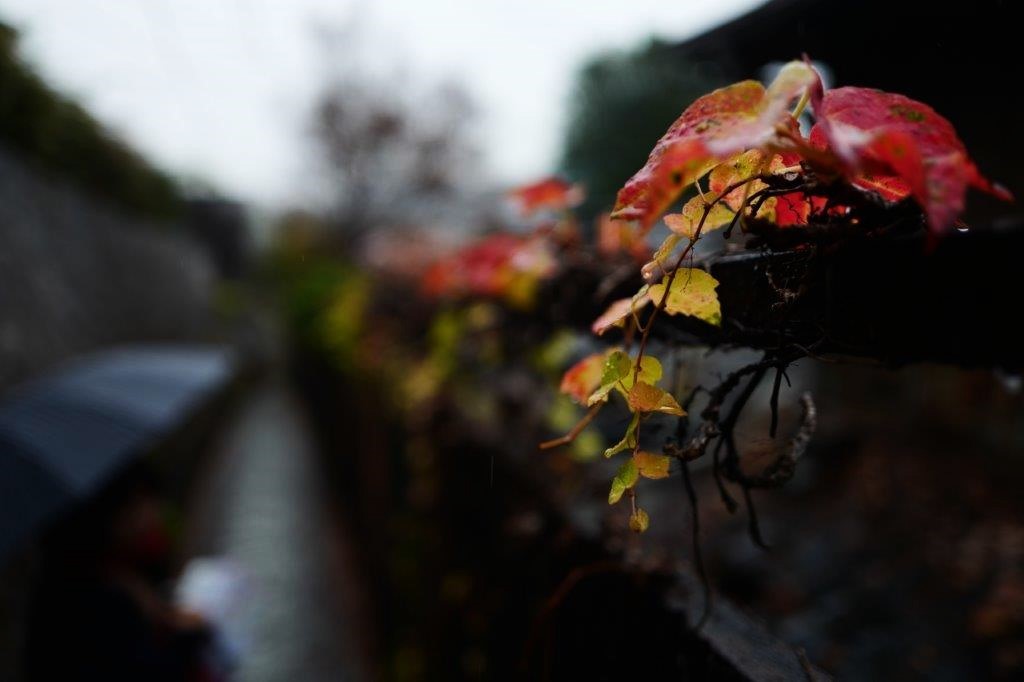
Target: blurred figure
[{"x": 101, "y": 610}]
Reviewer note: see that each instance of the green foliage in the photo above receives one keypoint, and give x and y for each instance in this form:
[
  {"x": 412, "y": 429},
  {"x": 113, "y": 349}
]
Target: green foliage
[
  {"x": 629, "y": 439},
  {"x": 623, "y": 481},
  {"x": 58, "y": 136}
]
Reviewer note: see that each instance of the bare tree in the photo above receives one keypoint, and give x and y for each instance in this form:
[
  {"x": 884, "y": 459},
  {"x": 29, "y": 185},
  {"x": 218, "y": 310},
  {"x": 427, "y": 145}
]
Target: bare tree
[{"x": 389, "y": 150}]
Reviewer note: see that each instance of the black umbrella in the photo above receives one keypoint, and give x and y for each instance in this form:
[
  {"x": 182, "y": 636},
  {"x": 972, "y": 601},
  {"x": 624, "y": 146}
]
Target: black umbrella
[{"x": 64, "y": 435}]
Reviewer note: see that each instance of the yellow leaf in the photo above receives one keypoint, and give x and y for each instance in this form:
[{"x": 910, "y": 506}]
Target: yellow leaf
[
  {"x": 692, "y": 293},
  {"x": 650, "y": 465},
  {"x": 647, "y": 398},
  {"x": 656, "y": 268},
  {"x": 685, "y": 224},
  {"x": 639, "y": 521},
  {"x": 740, "y": 167}
]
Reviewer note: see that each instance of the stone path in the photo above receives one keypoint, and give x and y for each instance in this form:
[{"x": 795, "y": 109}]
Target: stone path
[{"x": 263, "y": 506}]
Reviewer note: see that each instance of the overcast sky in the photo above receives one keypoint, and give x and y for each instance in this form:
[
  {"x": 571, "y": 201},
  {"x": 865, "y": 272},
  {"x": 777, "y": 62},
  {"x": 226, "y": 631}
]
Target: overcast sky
[{"x": 219, "y": 89}]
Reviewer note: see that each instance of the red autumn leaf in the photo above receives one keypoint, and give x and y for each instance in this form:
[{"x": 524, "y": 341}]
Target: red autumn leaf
[
  {"x": 885, "y": 185},
  {"x": 439, "y": 279},
  {"x": 490, "y": 266},
  {"x": 681, "y": 155},
  {"x": 712, "y": 129},
  {"x": 616, "y": 236},
  {"x": 892, "y": 144},
  {"x": 792, "y": 209},
  {"x": 618, "y": 311},
  {"x": 483, "y": 266},
  {"x": 583, "y": 378},
  {"x": 552, "y": 193},
  {"x": 889, "y": 187}
]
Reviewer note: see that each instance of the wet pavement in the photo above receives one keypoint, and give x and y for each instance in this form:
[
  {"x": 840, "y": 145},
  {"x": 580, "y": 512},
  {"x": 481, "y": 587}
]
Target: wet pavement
[{"x": 263, "y": 506}]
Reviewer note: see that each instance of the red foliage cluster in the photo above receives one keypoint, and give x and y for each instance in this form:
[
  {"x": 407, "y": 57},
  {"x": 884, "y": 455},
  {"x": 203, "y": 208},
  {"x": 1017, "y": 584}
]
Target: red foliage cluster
[
  {"x": 553, "y": 194},
  {"x": 879, "y": 142},
  {"x": 489, "y": 266}
]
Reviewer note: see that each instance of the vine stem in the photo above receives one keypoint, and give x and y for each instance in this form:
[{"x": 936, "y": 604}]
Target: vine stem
[
  {"x": 698, "y": 558},
  {"x": 646, "y": 331},
  {"x": 708, "y": 206},
  {"x": 802, "y": 103},
  {"x": 576, "y": 430}
]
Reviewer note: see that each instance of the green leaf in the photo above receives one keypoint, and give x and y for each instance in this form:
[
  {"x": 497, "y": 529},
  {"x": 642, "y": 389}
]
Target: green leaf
[
  {"x": 639, "y": 521},
  {"x": 692, "y": 293},
  {"x": 623, "y": 481},
  {"x": 628, "y": 440},
  {"x": 650, "y": 465},
  {"x": 616, "y": 366}
]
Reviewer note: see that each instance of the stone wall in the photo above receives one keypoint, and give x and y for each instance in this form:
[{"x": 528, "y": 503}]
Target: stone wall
[{"x": 76, "y": 274}]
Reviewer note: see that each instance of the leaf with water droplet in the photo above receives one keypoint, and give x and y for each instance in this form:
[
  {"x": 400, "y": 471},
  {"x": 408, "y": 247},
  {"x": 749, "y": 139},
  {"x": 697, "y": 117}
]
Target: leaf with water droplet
[
  {"x": 692, "y": 293},
  {"x": 890, "y": 143},
  {"x": 686, "y": 222},
  {"x": 714, "y": 128},
  {"x": 628, "y": 439}
]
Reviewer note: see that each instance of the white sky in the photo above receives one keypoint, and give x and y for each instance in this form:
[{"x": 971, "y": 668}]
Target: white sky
[{"x": 219, "y": 89}]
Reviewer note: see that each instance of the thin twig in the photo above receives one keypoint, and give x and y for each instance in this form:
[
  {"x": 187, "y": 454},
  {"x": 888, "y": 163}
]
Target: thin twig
[
  {"x": 716, "y": 469},
  {"x": 774, "y": 402},
  {"x": 753, "y": 525},
  {"x": 576, "y": 430},
  {"x": 784, "y": 466},
  {"x": 698, "y": 558}
]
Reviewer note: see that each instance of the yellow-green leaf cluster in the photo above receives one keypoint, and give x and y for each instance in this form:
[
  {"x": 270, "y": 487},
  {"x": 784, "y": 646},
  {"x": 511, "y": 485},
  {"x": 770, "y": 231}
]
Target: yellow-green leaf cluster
[
  {"x": 686, "y": 222},
  {"x": 619, "y": 371}
]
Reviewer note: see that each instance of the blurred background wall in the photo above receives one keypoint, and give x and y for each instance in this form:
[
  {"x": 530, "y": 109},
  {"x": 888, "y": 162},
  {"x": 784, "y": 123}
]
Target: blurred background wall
[{"x": 99, "y": 247}]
